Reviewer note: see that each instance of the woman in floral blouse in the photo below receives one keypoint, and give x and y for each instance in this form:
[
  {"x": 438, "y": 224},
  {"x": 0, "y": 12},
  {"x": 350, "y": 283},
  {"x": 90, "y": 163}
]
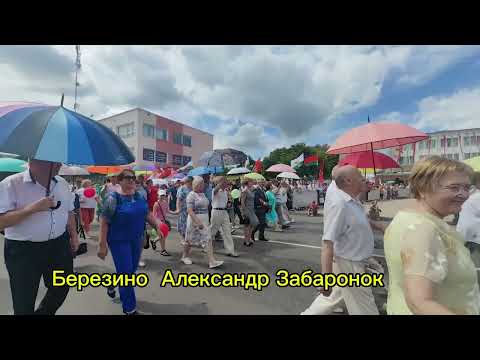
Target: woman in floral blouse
[{"x": 430, "y": 269}]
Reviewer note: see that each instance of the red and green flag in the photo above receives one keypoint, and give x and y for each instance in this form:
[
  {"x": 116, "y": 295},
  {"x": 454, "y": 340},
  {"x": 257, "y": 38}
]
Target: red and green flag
[{"x": 311, "y": 160}]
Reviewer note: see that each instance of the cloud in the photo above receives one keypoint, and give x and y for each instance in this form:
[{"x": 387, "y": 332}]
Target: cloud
[
  {"x": 457, "y": 110},
  {"x": 299, "y": 90}
]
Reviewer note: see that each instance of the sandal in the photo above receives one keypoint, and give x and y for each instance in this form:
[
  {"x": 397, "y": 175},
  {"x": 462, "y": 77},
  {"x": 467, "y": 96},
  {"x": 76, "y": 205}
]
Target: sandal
[
  {"x": 164, "y": 253},
  {"x": 154, "y": 244}
]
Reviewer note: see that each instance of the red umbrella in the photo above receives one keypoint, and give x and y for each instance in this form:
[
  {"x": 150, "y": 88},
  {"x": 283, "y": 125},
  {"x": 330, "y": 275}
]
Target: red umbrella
[
  {"x": 375, "y": 136},
  {"x": 364, "y": 160}
]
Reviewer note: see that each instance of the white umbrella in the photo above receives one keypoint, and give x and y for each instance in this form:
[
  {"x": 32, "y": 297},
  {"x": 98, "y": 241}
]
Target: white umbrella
[
  {"x": 159, "y": 182},
  {"x": 288, "y": 175},
  {"x": 72, "y": 171},
  {"x": 238, "y": 171}
]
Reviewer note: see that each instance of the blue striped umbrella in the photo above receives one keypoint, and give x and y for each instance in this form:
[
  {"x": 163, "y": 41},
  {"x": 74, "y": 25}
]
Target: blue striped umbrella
[{"x": 54, "y": 133}]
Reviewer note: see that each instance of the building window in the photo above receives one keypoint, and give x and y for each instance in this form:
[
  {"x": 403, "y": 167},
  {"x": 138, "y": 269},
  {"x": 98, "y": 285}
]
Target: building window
[
  {"x": 411, "y": 160},
  {"x": 187, "y": 140},
  {"x": 433, "y": 144},
  {"x": 162, "y": 134},
  {"x": 478, "y": 140},
  {"x": 456, "y": 156},
  {"x": 442, "y": 142},
  {"x": 160, "y": 157},
  {"x": 177, "y": 138},
  {"x": 148, "y": 155},
  {"x": 186, "y": 160},
  {"x": 421, "y": 145},
  {"x": 149, "y": 131},
  {"x": 177, "y": 160},
  {"x": 467, "y": 156},
  {"x": 126, "y": 131},
  {"x": 466, "y": 141}
]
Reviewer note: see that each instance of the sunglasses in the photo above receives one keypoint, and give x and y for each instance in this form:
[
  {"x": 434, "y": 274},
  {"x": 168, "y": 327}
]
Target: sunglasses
[{"x": 131, "y": 178}]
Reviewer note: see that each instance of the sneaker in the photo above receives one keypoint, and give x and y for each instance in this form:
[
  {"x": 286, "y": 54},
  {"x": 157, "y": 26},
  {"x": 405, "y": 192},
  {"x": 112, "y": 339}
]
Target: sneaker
[
  {"x": 134, "y": 312},
  {"x": 141, "y": 264},
  {"x": 111, "y": 293},
  {"x": 187, "y": 261},
  {"x": 338, "y": 310},
  {"x": 233, "y": 255},
  {"x": 215, "y": 264}
]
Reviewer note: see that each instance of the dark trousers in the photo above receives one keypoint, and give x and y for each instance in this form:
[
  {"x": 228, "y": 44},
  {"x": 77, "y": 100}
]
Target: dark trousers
[
  {"x": 236, "y": 210},
  {"x": 262, "y": 224},
  {"x": 27, "y": 262}
]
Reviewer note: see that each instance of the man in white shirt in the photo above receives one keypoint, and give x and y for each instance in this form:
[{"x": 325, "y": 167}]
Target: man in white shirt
[
  {"x": 36, "y": 238},
  {"x": 220, "y": 219},
  {"x": 469, "y": 220},
  {"x": 347, "y": 244}
]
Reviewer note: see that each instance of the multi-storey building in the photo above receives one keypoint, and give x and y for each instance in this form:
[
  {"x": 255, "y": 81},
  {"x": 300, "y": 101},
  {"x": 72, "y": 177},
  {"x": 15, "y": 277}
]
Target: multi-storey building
[
  {"x": 452, "y": 144},
  {"x": 154, "y": 139}
]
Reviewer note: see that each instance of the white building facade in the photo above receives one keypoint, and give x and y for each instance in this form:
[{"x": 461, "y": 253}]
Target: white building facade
[{"x": 452, "y": 144}]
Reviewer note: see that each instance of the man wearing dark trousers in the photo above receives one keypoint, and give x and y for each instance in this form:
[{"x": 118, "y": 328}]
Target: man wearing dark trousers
[
  {"x": 40, "y": 235},
  {"x": 260, "y": 203}
]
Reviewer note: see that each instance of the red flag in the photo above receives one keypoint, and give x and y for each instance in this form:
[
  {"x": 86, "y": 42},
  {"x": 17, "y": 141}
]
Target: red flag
[
  {"x": 258, "y": 166},
  {"x": 320, "y": 172},
  {"x": 311, "y": 160}
]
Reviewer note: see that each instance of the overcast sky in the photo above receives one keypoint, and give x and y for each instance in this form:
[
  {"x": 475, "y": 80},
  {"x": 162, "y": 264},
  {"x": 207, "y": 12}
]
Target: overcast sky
[{"x": 257, "y": 98}]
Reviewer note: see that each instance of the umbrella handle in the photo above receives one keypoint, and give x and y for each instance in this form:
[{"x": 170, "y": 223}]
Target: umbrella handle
[{"x": 47, "y": 193}]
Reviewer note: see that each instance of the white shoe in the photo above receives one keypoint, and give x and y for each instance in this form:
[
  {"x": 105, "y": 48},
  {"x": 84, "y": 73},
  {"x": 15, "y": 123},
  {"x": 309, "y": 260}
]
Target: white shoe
[
  {"x": 215, "y": 264},
  {"x": 187, "y": 261},
  {"x": 141, "y": 264},
  {"x": 338, "y": 310}
]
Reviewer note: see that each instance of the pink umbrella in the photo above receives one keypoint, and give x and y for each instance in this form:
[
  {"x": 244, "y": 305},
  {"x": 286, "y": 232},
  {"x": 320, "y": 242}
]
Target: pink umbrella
[
  {"x": 364, "y": 160},
  {"x": 280, "y": 168},
  {"x": 375, "y": 136}
]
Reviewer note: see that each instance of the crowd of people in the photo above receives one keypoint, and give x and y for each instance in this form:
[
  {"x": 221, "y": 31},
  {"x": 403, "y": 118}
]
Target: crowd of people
[{"x": 429, "y": 262}]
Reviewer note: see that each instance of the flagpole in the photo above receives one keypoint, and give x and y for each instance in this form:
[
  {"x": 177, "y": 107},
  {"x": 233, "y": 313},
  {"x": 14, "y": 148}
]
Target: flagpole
[{"x": 373, "y": 157}]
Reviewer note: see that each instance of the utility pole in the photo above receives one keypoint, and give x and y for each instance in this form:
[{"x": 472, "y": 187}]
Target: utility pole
[{"x": 78, "y": 66}]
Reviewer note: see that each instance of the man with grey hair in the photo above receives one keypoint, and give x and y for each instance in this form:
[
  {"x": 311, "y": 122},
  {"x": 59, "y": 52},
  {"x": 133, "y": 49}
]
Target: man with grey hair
[{"x": 347, "y": 245}]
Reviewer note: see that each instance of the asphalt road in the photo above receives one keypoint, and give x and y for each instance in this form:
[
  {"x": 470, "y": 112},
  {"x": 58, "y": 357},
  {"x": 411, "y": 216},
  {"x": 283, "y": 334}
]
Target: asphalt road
[{"x": 295, "y": 249}]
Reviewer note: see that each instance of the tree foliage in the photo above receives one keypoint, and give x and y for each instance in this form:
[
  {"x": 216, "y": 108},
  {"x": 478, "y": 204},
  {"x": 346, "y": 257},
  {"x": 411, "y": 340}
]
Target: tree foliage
[{"x": 286, "y": 155}]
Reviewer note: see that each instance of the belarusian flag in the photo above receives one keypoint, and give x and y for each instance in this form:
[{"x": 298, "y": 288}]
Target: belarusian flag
[
  {"x": 311, "y": 160},
  {"x": 295, "y": 163}
]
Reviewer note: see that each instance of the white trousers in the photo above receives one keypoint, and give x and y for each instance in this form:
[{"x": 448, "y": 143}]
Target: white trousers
[
  {"x": 221, "y": 221},
  {"x": 357, "y": 300}
]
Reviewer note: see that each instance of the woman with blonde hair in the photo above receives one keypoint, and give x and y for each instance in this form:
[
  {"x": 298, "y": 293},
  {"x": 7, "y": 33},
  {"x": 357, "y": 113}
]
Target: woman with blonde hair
[
  {"x": 197, "y": 232},
  {"x": 430, "y": 269}
]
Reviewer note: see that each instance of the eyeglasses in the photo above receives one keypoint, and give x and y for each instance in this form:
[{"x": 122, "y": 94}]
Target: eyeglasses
[{"x": 457, "y": 188}]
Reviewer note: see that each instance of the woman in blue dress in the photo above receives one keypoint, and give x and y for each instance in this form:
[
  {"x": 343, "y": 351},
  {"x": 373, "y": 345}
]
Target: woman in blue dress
[
  {"x": 182, "y": 194},
  {"x": 122, "y": 225}
]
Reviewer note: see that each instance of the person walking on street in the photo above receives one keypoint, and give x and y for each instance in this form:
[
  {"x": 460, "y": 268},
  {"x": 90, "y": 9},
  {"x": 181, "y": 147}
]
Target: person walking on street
[
  {"x": 261, "y": 208},
  {"x": 271, "y": 216},
  {"x": 40, "y": 235},
  {"x": 279, "y": 198},
  {"x": 160, "y": 210},
  {"x": 181, "y": 211},
  {"x": 172, "y": 195},
  {"x": 88, "y": 203},
  {"x": 122, "y": 229},
  {"x": 347, "y": 245},
  {"x": 220, "y": 219},
  {"x": 469, "y": 218},
  {"x": 197, "y": 232},
  {"x": 247, "y": 203},
  {"x": 430, "y": 270}
]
